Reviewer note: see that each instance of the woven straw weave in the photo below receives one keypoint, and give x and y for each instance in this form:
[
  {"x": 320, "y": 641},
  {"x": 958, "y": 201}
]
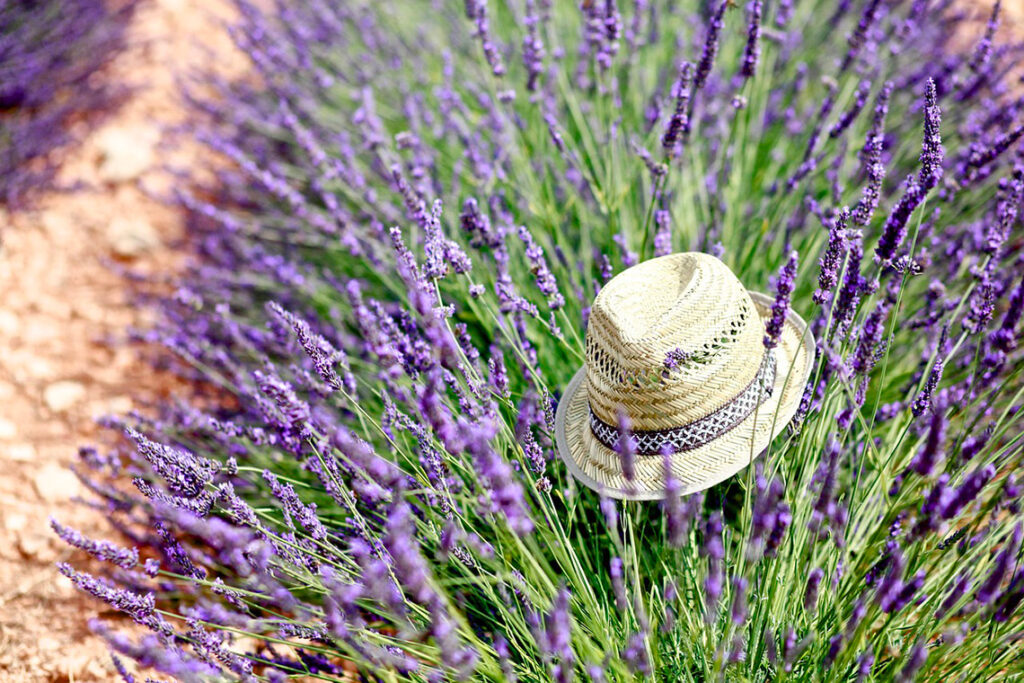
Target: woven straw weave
[{"x": 694, "y": 303}]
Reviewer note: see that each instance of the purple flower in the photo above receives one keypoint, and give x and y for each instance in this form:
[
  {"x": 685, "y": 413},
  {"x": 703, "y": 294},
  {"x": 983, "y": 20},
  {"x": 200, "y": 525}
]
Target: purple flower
[
  {"x": 865, "y": 661},
  {"x": 895, "y": 228},
  {"x": 828, "y": 513},
  {"x": 835, "y": 645},
  {"x": 871, "y": 157},
  {"x": 769, "y": 518},
  {"x": 714, "y": 551},
  {"x": 854, "y": 284},
  {"x": 859, "y": 37},
  {"x": 679, "y": 512},
  {"x": 476, "y": 11},
  {"x": 793, "y": 649},
  {"x": 629, "y": 257},
  {"x": 983, "y": 52},
  {"x": 675, "y": 359},
  {"x": 783, "y": 518},
  {"x": 890, "y": 584},
  {"x": 1006, "y": 215},
  {"x": 831, "y": 260},
  {"x": 981, "y": 306},
  {"x": 784, "y": 284},
  {"x": 860, "y": 98},
  {"x": 916, "y": 659},
  {"x": 556, "y": 639},
  {"x": 679, "y": 122},
  {"x": 931, "y": 452},
  {"x": 956, "y": 593},
  {"x": 139, "y": 607},
  {"x": 121, "y": 670},
  {"x": 184, "y": 473},
  {"x": 51, "y": 94},
  {"x": 663, "y": 235},
  {"x": 738, "y": 611},
  {"x": 505, "y": 491},
  {"x": 752, "y": 51},
  {"x": 602, "y": 28},
  {"x": 928, "y": 519},
  {"x": 932, "y": 152},
  {"x": 872, "y": 334},
  {"x": 707, "y": 58},
  {"x": 635, "y": 655},
  {"x": 546, "y": 282},
  {"x": 982, "y": 155},
  {"x": 1005, "y": 337},
  {"x": 811, "y": 590},
  {"x": 125, "y": 558},
  {"x": 533, "y": 47},
  {"x": 294, "y": 509},
  {"x": 989, "y": 588},
  {"x": 901, "y": 598},
  {"x": 923, "y": 400},
  {"x": 618, "y": 587}
]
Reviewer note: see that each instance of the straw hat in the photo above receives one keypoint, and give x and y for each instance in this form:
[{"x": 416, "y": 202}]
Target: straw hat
[{"x": 676, "y": 344}]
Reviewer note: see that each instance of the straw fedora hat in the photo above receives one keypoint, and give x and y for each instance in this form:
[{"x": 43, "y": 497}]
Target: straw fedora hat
[{"x": 676, "y": 344}]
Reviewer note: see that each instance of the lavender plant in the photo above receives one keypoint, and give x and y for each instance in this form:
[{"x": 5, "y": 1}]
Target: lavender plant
[
  {"x": 50, "y": 54},
  {"x": 391, "y": 289}
]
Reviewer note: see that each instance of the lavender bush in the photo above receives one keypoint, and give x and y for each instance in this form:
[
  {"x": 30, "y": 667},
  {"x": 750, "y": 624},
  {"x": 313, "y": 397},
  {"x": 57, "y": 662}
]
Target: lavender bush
[
  {"x": 50, "y": 54},
  {"x": 391, "y": 290}
]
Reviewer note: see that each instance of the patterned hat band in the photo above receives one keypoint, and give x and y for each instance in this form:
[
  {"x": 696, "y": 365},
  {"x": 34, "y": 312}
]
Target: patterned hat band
[{"x": 699, "y": 432}]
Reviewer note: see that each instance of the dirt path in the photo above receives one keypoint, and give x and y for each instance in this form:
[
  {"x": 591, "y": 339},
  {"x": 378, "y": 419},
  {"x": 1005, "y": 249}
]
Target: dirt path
[{"x": 63, "y": 310}]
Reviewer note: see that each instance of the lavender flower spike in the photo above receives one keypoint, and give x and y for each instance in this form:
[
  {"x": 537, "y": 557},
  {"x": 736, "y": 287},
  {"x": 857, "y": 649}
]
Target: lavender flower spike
[
  {"x": 811, "y": 591},
  {"x": 125, "y": 558},
  {"x": 680, "y": 120},
  {"x": 848, "y": 116},
  {"x": 983, "y": 52},
  {"x": 752, "y": 52},
  {"x": 923, "y": 401},
  {"x": 871, "y": 157},
  {"x": 533, "y": 47},
  {"x": 707, "y": 58},
  {"x": 557, "y": 638},
  {"x": 859, "y": 36},
  {"x": 895, "y": 229},
  {"x": 476, "y": 10},
  {"x": 931, "y": 452},
  {"x": 663, "y": 234},
  {"x": 980, "y": 156},
  {"x": 968, "y": 491},
  {"x": 546, "y": 281},
  {"x": 831, "y": 260},
  {"x": 918, "y": 656},
  {"x": 932, "y": 152},
  {"x": 1004, "y": 561},
  {"x": 784, "y": 290}
]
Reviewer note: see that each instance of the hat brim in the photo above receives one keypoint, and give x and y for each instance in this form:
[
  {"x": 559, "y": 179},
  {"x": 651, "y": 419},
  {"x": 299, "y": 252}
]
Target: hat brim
[{"x": 599, "y": 468}]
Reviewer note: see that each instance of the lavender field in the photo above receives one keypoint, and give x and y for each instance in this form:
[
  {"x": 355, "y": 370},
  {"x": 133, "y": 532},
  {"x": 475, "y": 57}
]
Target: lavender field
[{"x": 392, "y": 266}]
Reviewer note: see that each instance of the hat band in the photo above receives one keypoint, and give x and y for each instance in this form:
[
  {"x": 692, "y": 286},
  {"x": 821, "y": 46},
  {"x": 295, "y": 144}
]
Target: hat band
[{"x": 700, "y": 432}]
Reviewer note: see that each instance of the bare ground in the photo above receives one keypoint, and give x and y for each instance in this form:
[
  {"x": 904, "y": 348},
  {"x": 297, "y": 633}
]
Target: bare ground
[{"x": 64, "y": 310}]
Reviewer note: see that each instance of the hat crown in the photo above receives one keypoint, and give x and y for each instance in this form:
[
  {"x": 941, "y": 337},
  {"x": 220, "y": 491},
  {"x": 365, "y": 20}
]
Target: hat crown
[{"x": 670, "y": 341}]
